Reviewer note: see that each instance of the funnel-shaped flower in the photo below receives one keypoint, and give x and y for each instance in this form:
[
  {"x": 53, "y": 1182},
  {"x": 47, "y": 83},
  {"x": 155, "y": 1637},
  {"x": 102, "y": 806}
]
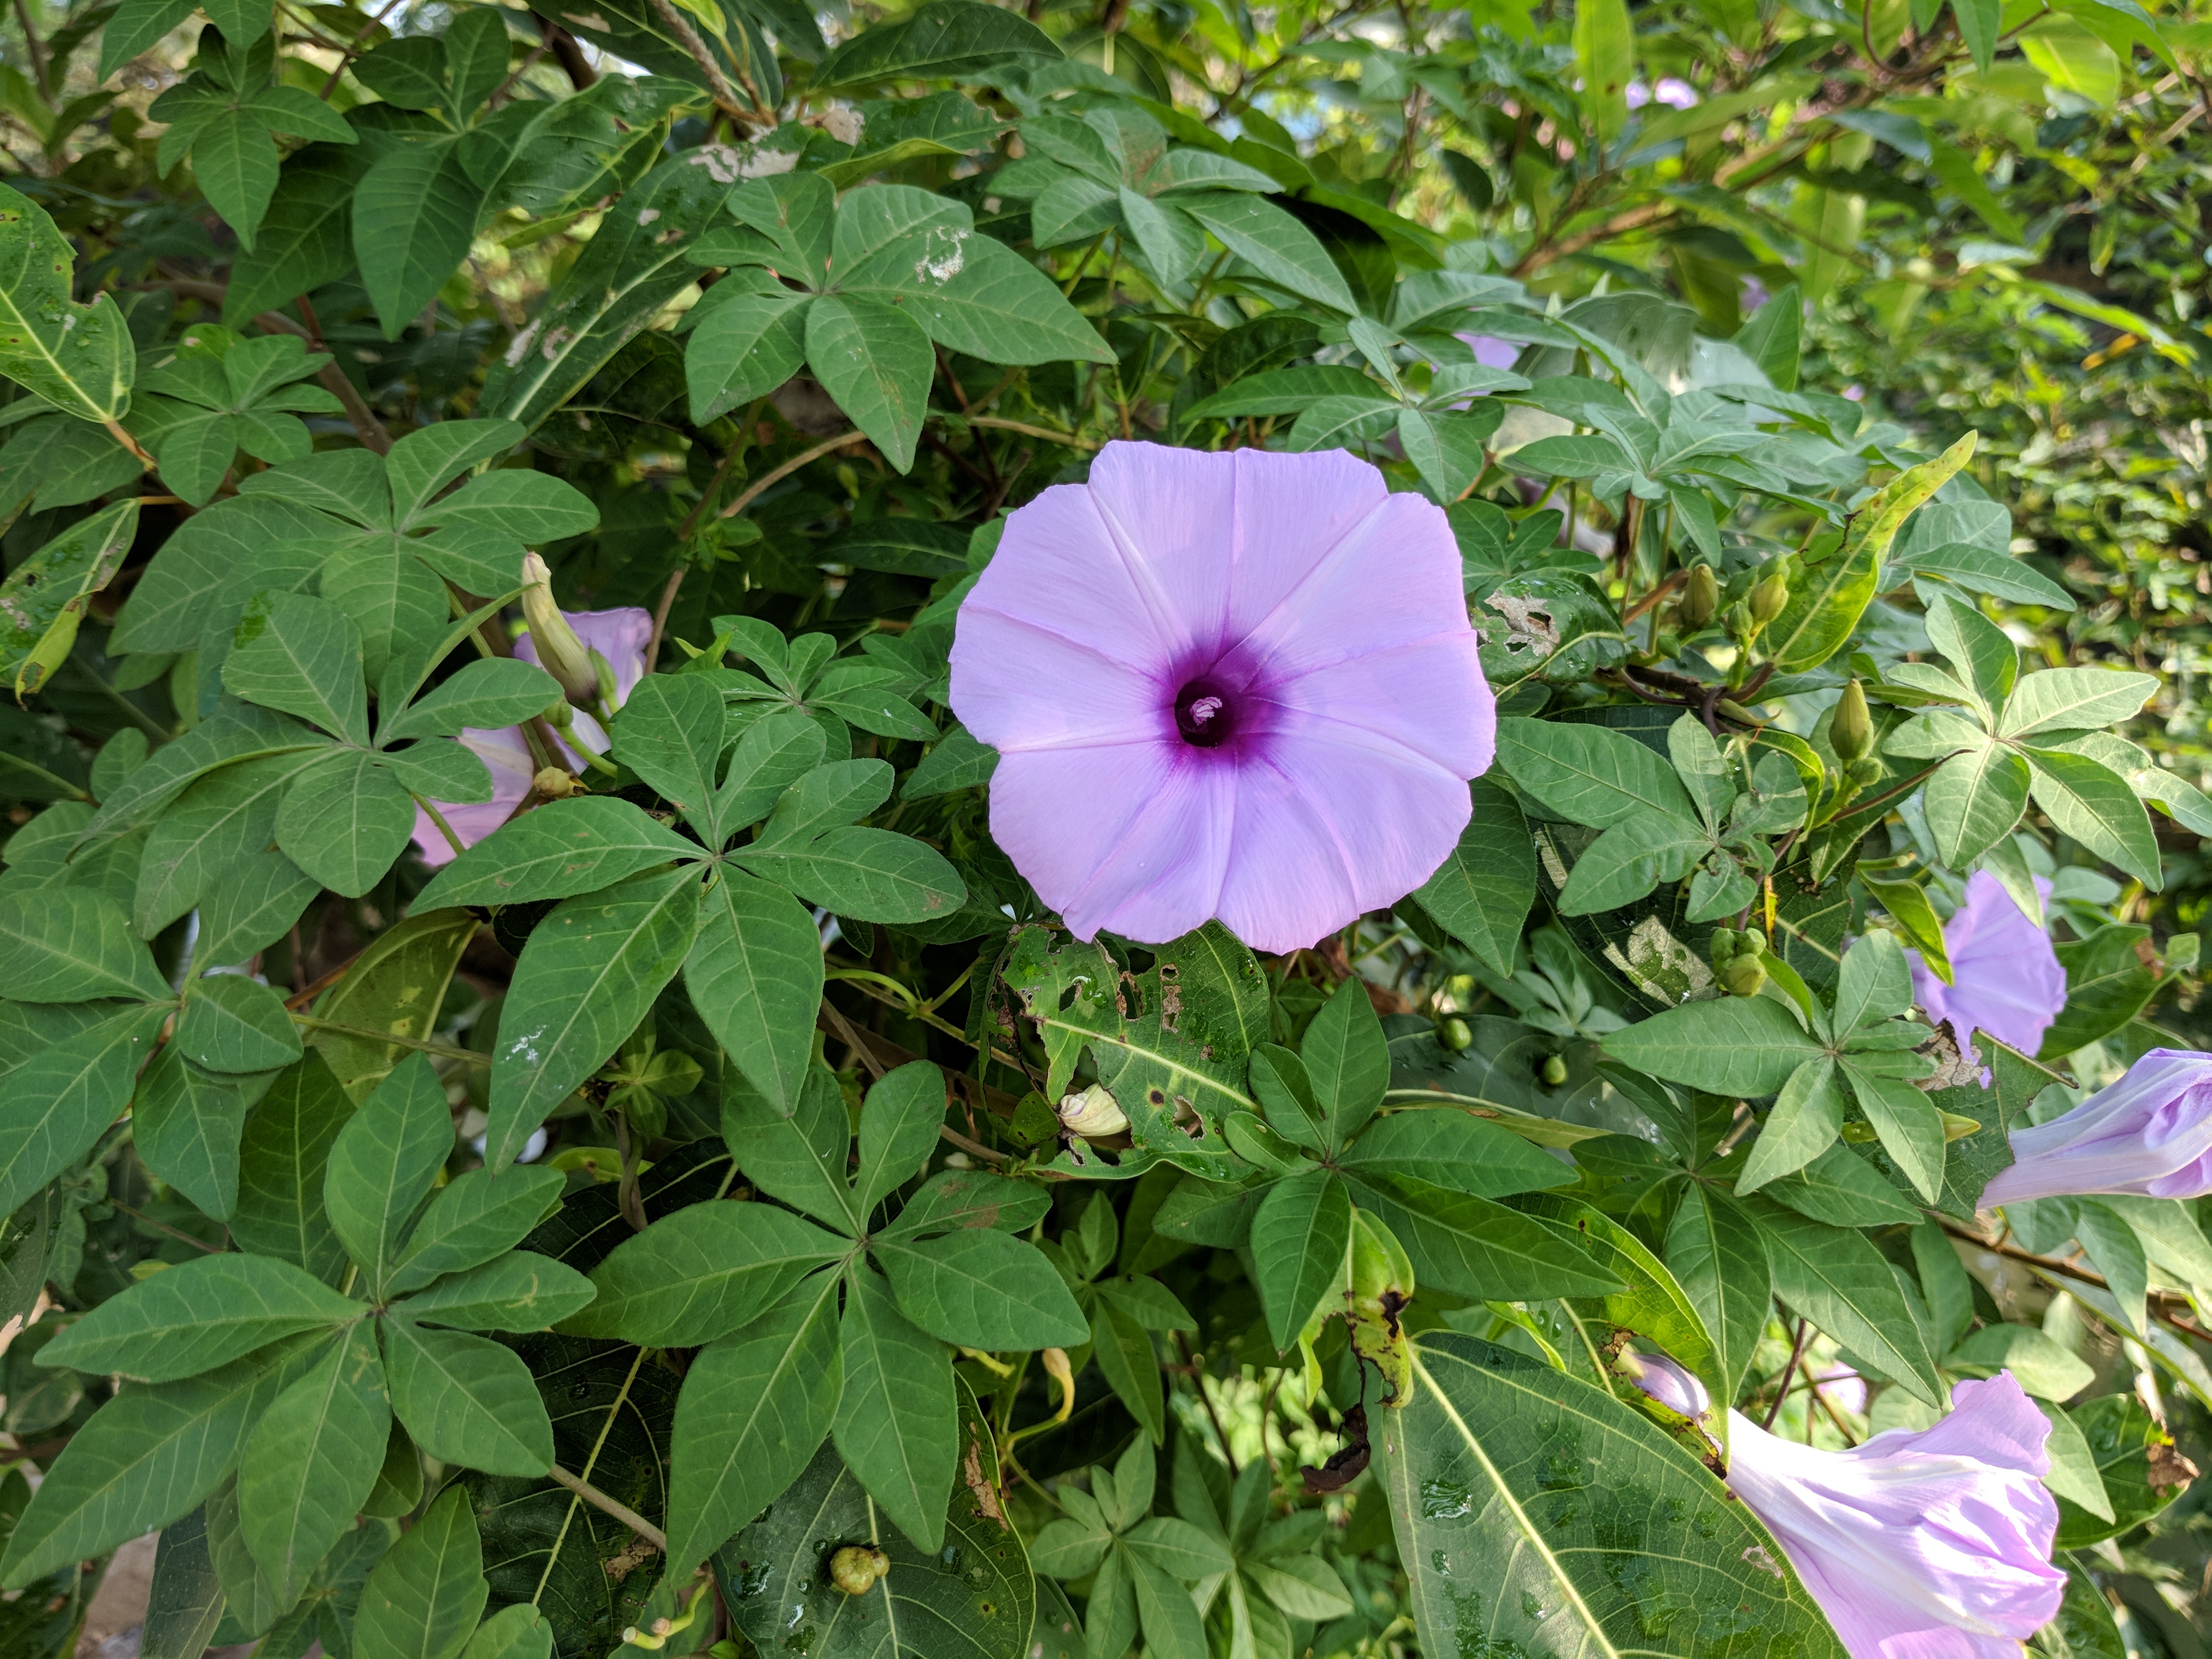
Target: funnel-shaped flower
[
  {"x": 1238, "y": 686},
  {"x": 2006, "y": 977},
  {"x": 619, "y": 636},
  {"x": 2150, "y": 1134},
  {"x": 1928, "y": 1544},
  {"x": 1673, "y": 1385}
]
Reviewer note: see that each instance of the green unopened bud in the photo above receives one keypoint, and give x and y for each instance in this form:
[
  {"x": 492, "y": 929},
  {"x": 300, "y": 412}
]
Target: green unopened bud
[
  {"x": 1455, "y": 1034},
  {"x": 1555, "y": 1072},
  {"x": 1744, "y": 977},
  {"x": 1092, "y": 1112},
  {"x": 1751, "y": 942},
  {"x": 1701, "y": 598},
  {"x": 1724, "y": 947},
  {"x": 1850, "y": 728},
  {"x": 560, "y": 652},
  {"x": 1768, "y": 599},
  {"x": 1865, "y": 771},
  {"x": 855, "y": 1568},
  {"x": 1740, "y": 623}
]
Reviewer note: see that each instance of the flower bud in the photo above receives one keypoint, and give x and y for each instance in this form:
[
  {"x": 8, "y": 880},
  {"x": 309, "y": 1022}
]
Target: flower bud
[
  {"x": 1701, "y": 598},
  {"x": 560, "y": 652},
  {"x": 1455, "y": 1034},
  {"x": 1740, "y": 623},
  {"x": 1751, "y": 942},
  {"x": 551, "y": 783},
  {"x": 1865, "y": 771},
  {"x": 1767, "y": 599},
  {"x": 1744, "y": 977},
  {"x": 1092, "y": 1112},
  {"x": 1555, "y": 1071},
  {"x": 1850, "y": 729},
  {"x": 855, "y": 1568},
  {"x": 1724, "y": 947}
]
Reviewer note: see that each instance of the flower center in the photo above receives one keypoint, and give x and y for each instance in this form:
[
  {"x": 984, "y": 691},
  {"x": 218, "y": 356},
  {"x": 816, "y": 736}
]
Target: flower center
[{"x": 1202, "y": 714}]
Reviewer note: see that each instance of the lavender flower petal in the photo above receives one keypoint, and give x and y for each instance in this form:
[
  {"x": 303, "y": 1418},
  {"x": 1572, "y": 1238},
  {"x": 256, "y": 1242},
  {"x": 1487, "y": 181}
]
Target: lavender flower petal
[
  {"x": 2007, "y": 980},
  {"x": 507, "y": 758},
  {"x": 2150, "y": 1134},
  {"x": 1927, "y": 1545}
]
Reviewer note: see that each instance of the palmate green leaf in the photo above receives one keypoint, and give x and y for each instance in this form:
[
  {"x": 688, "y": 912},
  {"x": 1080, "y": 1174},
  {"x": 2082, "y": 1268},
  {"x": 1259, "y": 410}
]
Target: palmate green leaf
[
  {"x": 1127, "y": 1359},
  {"x": 2106, "y": 986},
  {"x": 472, "y": 1219},
  {"x": 424, "y": 1598},
  {"x": 466, "y": 1400},
  {"x": 147, "y": 1456},
  {"x": 798, "y": 1158},
  {"x": 1509, "y": 1482},
  {"x": 1653, "y": 1304},
  {"x": 383, "y": 1162},
  {"x": 897, "y": 1426},
  {"x": 1481, "y": 894},
  {"x": 877, "y": 362},
  {"x": 1717, "y": 1256},
  {"x": 518, "y": 1631},
  {"x": 1588, "y": 774},
  {"x": 519, "y": 1292},
  {"x": 871, "y": 875},
  {"x": 414, "y": 214},
  {"x": 311, "y": 1462},
  {"x": 1730, "y": 1046},
  {"x": 745, "y": 349},
  {"x": 56, "y": 1103},
  {"x": 2096, "y": 807},
  {"x": 1837, "y": 1278},
  {"x": 2074, "y": 699},
  {"x": 44, "y": 598},
  {"x": 1454, "y": 1148},
  {"x": 184, "y": 1604},
  {"x": 1807, "y": 1119},
  {"x": 78, "y": 357},
  {"x": 943, "y": 40},
  {"x": 1300, "y": 1234},
  {"x": 1907, "y": 1121},
  {"x": 1347, "y": 1062},
  {"x": 700, "y": 1272},
  {"x": 234, "y": 1023},
  {"x": 72, "y": 944},
  {"x": 282, "y": 1160},
  {"x": 197, "y": 1315},
  {"x": 557, "y": 851},
  {"x": 671, "y": 734},
  {"x": 305, "y": 239},
  {"x": 754, "y": 1408},
  {"x": 587, "y": 976},
  {"x": 1974, "y": 799},
  {"x": 977, "y": 1288},
  {"x": 1475, "y": 1247},
  {"x": 496, "y": 692},
  {"x": 215, "y": 825},
  {"x": 899, "y": 1124},
  {"x": 1273, "y": 243},
  {"x": 755, "y": 973},
  {"x": 774, "y": 1579},
  {"x": 1631, "y": 859},
  {"x": 345, "y": 820},
  {"x": 186, "y": 1122}
]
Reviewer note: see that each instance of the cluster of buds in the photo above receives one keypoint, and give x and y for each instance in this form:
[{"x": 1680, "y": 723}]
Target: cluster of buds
[{"x": 1735, "y": 958}]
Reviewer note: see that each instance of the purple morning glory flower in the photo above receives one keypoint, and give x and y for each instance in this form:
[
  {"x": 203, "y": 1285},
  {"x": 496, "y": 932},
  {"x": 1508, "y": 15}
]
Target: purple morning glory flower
[
  {"x": 2150, "y": 1134},
  {"x": 1491, "y": 352},
  {"x": 1671, "y": 1384},
  {"x": 1927, "y": 1543},
  {"x": 2006, "y": 978},
  {"x": 1239, "y": 685},
  {"x": 619, "y": 636}
]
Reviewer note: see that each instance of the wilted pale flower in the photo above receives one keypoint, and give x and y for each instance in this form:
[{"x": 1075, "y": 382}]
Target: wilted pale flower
[
  {"x": 1092, "y": 1111},
  {"x": 1927, "y": 1543},
  {"x": 1239, "y": 685},
  {"x": 619, "y": 636},
  {"x": 2006, "y": 977},
  {"x": 2150, "y": 1134},
  {"x": 1671, "y": 1384},
  {"x": 558, "y": 651}
]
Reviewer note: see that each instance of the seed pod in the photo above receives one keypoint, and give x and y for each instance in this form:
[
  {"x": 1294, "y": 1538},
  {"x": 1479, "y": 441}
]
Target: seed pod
[
  {"x": 1767, "y": 599},
  {"x": 1555, "y": 1072},
  {"x": 1455, "y": 1035},
  {"x": 1701, "y": 598},
  {"x": 560, "y": 652},
  {"x": 855, "y": 1568},
  {"x": 1744, "y": 977},
  {"x": 1850, "y": 728},
  {"x": 1865, "y": 771}
]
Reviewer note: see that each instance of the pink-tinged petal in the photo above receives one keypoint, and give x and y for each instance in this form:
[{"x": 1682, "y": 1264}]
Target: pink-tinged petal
[
  {"x": 1172, "y": 512},
  {"x": 507, "y": 757},
  {"x": 1394, "y": 578},
  {"x": 1430, "y": 697},
  {"x": 2150, "y": 1134},
  {"x": 2006, "y": 978},
  {"x": 1491, "y": 352},
  {"x": 1058, "y": 565},
  {"x": 1291, "y": 510},
  {"x": 1130, "y": 839},
  {"x": 1017, "y": 685},
  {"x": 1290, "y": 880},
  {"x": 620, "y": 636},
  {"x": 1917, "y": 1543},
  {"x": 1671, "y": 1384}
]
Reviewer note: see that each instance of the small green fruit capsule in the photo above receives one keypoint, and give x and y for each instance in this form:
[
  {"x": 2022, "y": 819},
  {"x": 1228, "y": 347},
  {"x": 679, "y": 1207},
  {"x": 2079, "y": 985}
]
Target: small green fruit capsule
[
  {"x": 1455, "y": 1035},
  {"x": 1850, "y": 729},
  {"x": 1864, "y": 771},
  {"x": 855, "y": 1568},
  {"x": 1701, "y": 598},
  {"x": 1751, "y": 941},
  {"x": 1724, "y": 947},
  {"x": 1744, "y": 977},
  {"x": 1768, "y": 599},
  {"x": 1555, "y": 1072}
]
